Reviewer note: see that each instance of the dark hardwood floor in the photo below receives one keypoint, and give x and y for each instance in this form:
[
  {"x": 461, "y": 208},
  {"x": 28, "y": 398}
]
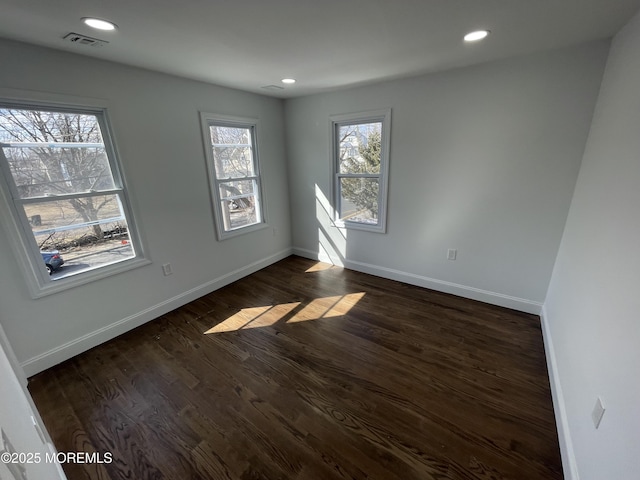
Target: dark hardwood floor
[{"x": 306, "y": 371}]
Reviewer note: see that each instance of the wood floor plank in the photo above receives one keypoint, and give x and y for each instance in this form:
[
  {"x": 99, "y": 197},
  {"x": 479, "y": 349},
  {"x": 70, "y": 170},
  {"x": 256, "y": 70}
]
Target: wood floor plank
[{"x": 307, "y": 371}]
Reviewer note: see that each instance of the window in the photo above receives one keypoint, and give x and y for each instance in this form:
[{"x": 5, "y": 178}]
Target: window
[
  {"x": 361, "y": 166},
  {"x": 234, "y": 174},
  {"x": 64, "y": 195}
]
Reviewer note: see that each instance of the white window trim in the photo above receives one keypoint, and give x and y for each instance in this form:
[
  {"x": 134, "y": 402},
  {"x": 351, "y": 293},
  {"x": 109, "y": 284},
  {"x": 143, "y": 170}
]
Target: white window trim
[
  {"x": 19, "y": 233},
  {"x": 253, "y": 124},
  {"x": 383, "y": 116}
]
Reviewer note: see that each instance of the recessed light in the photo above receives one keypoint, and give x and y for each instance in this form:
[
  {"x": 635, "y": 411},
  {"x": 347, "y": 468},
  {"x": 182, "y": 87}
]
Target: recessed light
[
  {"x": 475, "y": 36},
  {"x": 289, "y": 80},
  {"x": 99, "y": 23}
]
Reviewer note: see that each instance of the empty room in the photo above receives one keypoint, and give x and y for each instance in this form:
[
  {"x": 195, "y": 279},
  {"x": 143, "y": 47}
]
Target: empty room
[{"x": 296, "y": 239}]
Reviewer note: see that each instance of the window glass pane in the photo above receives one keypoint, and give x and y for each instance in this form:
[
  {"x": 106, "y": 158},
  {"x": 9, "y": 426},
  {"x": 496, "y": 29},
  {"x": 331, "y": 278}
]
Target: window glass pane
[
  {"x": 359, "y": 147},
  {"x": 84, "y": 244},
  {"x": 52, "y": 153},
  {"x": 232, "y": 151},
  {"x": 237, "y": 188},
  {"x": 229, "y": 135},
  {"x": 42, "y": 171},
  {"x": 240, "y": 212},
  {"x": 359, "y": 199}
]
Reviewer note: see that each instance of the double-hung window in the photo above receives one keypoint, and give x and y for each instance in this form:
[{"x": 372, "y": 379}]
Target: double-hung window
[
  {"x": 361, "y": 169},
  {"x": 234, "y": 173},
  {"x": 64, "y": 196}
]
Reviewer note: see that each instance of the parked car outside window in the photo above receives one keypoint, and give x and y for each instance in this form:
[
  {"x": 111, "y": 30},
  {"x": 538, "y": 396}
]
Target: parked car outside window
[{"x": 52, "y": 260}]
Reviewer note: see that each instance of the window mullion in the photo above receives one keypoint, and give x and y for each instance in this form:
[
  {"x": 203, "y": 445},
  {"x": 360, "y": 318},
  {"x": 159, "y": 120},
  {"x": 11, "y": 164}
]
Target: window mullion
[
  {"x": 235, "y": 179},
  {"x": 69, "y": 196},
  {"x": 358, "y": 175}
]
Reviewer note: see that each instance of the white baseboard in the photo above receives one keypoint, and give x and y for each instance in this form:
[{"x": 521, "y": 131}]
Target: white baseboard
[
  {"x": 569, "y": 463},
  {"x": 70, "y": 349},
  {"x": 521, "y": 304}
]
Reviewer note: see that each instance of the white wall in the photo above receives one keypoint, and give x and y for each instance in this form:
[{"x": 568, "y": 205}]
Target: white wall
[
  {"x": 156, "y": 126},
  {"x": 483, "y": 159},
  {"x": 593, "y": 305}
]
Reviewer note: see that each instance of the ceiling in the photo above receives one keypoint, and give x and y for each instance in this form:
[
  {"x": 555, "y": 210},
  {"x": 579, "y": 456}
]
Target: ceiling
[{"x": 324, "y": 44}]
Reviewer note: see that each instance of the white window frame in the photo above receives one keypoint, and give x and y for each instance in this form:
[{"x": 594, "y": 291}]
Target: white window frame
[
  {"x": 384, "y": 117},
  {"x": 208, "y": 120},
  {"x": 14, "y": 217}
]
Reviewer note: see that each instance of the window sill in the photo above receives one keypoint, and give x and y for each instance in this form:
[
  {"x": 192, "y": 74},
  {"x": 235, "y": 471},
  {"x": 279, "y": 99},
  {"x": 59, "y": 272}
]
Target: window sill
[
  {"x": 72, "y": 281},
  {"x": 241, "y": 231},
  {"x": 360, "y": 226}
]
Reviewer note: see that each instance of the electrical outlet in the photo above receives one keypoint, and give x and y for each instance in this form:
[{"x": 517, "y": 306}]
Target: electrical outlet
[
  {"x": 166, "y": 269},
  {"x": 597, "y": 413},
  {"x": 452, "y": 253}
]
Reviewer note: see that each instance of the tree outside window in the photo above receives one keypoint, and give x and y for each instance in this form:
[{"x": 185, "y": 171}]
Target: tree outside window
[
  {"x": 361, "y": 160},
  {"x": 64, "y": 187}
]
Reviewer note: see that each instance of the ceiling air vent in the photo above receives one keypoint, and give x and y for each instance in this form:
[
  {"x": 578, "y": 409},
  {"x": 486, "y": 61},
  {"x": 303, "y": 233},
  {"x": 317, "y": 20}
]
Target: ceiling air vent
[
  {"x": 273, "y": 88},
  {"x": 84, "y": 40}
]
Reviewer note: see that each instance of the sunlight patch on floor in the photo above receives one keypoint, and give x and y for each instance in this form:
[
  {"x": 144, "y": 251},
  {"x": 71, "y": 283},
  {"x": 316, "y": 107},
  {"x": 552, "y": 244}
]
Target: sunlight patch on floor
[
  {"x": 254, "y": 317},
  {"x": 327, "y": 307},
  {"x": 265, "y": 316},
  {"x": 319, "y": 267}
]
